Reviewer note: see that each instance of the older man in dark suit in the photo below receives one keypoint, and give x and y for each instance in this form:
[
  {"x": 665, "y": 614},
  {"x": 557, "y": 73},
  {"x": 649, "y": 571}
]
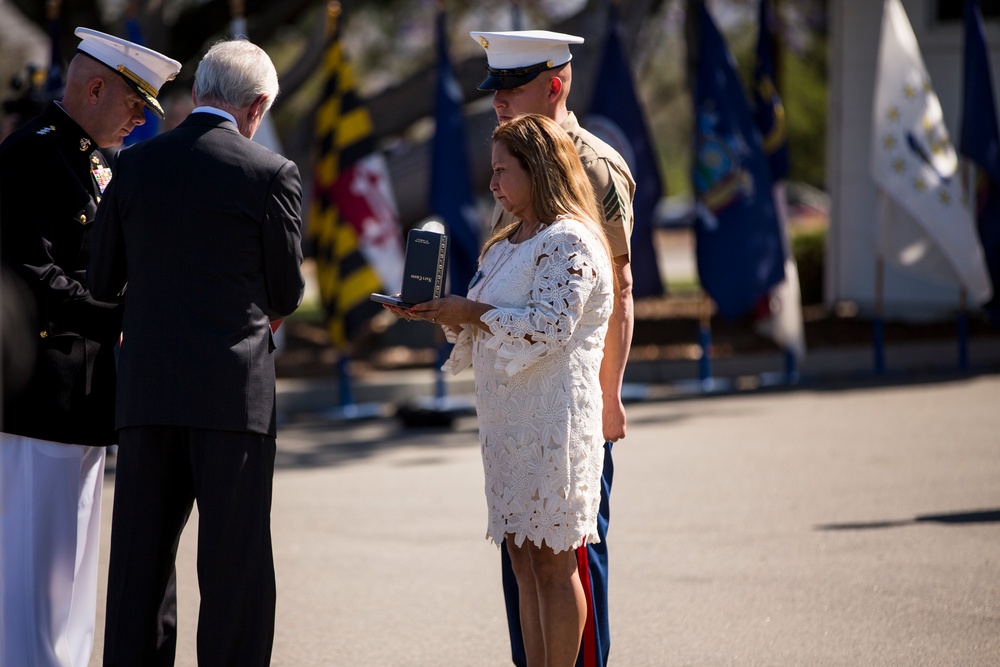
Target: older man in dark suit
[{"x": 201, "y": 236}]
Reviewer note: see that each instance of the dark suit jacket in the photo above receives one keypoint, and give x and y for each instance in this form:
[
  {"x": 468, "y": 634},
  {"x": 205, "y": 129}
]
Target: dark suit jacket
[
  {"x": 204, "y": 227},
  {"x": 49, "y": 189}
]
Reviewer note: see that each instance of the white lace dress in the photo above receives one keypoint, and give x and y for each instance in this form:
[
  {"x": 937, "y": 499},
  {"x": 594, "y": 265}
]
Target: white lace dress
[{"x": 539, "y": 401}]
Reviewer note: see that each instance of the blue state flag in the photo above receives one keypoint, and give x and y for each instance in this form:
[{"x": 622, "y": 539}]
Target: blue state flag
[
  {"x": 55, "y": 78},
  {"x": 769, "y": 112},
  {"x": 151, "y": 127},
  {"x": 616, "y": 116},
  {"x": 779, "y": 313},
  {"x": 739, "y": 247},
  {"x": 451, "y": 188},
  {"x": 980, "y": 142}
]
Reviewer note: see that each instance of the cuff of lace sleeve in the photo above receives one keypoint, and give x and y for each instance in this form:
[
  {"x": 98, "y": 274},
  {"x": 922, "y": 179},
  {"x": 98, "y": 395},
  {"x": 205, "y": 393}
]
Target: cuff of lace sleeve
[
  {"x": 461, "y": 354},
  {"x": 451, "y": 334},
  {"x": 514, "y": 351}
]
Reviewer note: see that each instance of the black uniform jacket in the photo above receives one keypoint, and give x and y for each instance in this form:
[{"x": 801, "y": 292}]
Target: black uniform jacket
[
  {"x": 51, "y": 176},
  {"x": 204, "y": 228}
]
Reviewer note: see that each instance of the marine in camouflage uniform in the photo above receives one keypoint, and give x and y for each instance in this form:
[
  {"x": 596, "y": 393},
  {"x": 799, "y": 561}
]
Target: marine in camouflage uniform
[
  {"x": 515, "y": 62},
  {"x": 612, "y": 181}
]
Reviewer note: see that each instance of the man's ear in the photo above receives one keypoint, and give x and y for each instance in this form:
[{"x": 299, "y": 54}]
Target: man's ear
[
  {"x": 96, "y": 88},
  {"x": 555, "y": 87},
  {"x": 257, "y": 106}
]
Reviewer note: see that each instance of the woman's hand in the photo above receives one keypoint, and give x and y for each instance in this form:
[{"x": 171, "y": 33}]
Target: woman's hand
[
  {"x": 451, "y": 311},
  {"x": 401, "y": 313}
]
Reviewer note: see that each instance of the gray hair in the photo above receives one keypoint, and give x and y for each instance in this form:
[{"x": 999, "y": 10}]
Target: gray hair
[{"x": 234, "y": 73}]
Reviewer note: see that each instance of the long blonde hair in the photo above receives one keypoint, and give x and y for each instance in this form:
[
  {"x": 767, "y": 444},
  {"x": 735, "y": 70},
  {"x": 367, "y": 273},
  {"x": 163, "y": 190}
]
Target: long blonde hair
[{"x": 559, "y": 185}]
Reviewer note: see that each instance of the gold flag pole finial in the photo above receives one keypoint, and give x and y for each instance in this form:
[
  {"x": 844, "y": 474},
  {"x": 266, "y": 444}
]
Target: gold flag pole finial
[
  {"x": 53, "y": 9},
  {"x": 332, "y": 16},
  {"x": 238, "y": 19}
]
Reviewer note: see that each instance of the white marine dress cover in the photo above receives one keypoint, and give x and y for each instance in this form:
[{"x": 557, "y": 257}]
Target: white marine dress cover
[{"x": 539, "y": 401}]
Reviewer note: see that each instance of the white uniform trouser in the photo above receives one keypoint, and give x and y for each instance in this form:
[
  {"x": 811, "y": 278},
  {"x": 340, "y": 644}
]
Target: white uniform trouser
[{"x": 50, "y": 521}]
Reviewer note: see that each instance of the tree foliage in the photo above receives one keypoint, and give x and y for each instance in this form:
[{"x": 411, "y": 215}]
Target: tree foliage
[{"x": 391, "y": 46}]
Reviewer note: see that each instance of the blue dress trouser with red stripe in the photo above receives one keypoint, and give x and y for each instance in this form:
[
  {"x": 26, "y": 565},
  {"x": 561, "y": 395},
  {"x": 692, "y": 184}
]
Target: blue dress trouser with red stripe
[{"x": 593, "y": 560}]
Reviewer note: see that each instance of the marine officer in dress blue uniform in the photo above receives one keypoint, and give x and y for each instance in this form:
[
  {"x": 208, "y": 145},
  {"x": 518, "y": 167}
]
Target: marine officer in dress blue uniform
[{"x": 55, "y": 431}]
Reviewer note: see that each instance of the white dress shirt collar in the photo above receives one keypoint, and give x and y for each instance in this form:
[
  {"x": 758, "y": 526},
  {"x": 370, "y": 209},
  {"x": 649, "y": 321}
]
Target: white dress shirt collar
[{"x": 217, "y": 112}]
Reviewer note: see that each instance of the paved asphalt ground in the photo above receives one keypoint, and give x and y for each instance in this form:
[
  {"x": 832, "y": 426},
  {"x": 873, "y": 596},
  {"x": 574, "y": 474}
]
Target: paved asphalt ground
[{"x": 829, "y": 525}]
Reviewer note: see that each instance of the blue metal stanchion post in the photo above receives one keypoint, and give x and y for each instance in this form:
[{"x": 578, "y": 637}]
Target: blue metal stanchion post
[
  {"x": 791, "y": 367},
  {"x": 879, "y": 345},
  {"x": 878, "y": 339},
  {"x": 344, "y": 377},
  {"x": 440, "y": 389},
  {"x": 705, "y": 363},
  {"x": 705, "y": 341},
  {"x": 963, "y": 333},
  {"x": 963, "y": 341},
  {"x": 441, "y": 410}
]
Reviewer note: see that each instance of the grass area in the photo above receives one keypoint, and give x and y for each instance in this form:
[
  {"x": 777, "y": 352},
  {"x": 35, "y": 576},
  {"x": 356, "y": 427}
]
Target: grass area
[
  {"x": 311, "y": 311},
  {"x": 683, "y": 286}
]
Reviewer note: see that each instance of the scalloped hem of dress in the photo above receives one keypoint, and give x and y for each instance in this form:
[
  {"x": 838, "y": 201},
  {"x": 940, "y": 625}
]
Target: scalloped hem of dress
[{"x": 519, "y": 539}]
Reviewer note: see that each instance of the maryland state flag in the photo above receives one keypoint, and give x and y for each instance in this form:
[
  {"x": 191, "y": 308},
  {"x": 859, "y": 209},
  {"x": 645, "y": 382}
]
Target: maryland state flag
[{"x": 353, "y": 220}]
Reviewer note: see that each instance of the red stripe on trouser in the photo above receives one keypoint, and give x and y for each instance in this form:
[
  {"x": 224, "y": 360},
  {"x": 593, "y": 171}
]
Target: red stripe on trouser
[{"x": 589, "y": 642}]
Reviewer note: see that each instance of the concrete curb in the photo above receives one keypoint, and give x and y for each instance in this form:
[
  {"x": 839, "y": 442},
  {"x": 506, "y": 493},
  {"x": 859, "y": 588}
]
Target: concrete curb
[{"x": 380, "y": 392}]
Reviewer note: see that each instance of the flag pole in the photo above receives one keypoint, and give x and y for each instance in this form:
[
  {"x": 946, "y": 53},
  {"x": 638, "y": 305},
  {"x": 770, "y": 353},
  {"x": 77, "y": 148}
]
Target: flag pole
[
  {"x": 332, "y": 18},
  {"x": 346, "y": 389},
  {"x": 347, "y": 408},
  {"x": 963, "y": 331},
  {"x": 444, "y": 349},
  {"x": 55, "y": 76},
  {"x": 440, "y": 388},
  {"x": 238, "y": 20},
  {"x": 877, "y": 332},
  {"x": 516, "y": 15},
  {"x": 705, "y": 340},
  {"x": 777, "y": 55},
  {"x": 451, "y": 202},
  {"x": 791, "y": 367},
  {"x": 968, "y": 174}
]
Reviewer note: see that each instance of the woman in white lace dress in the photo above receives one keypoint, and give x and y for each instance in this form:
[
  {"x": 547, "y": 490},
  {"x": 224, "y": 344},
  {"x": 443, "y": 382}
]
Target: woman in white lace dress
[{"x": 533, "y": 328}]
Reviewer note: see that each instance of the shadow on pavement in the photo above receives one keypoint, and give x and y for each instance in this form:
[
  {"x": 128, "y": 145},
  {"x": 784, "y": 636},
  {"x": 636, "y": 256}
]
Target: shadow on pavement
[
  {"x": 323, "y": 443},
  {"x": 751, "y": 385},
  {"x": 975, "y": 516}
]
